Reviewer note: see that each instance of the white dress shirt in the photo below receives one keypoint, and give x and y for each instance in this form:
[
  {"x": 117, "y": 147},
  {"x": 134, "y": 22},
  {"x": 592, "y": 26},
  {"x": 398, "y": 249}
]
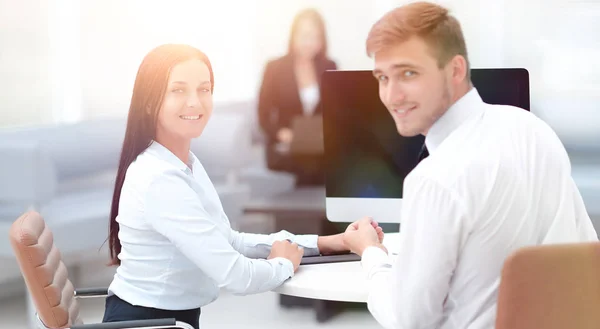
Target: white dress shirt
[
  {"x": 178, "y": 248},
  {"x": 497, "y": 178}
]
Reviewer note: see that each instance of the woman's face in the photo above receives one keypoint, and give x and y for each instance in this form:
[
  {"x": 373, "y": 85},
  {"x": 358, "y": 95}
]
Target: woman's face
[
  {"x": 307, "y": 39},
  {"x": 187, "y": 103}
]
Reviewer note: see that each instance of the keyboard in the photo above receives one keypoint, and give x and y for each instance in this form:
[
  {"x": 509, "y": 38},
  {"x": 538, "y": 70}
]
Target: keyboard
[{"x": 310, "y": 260}]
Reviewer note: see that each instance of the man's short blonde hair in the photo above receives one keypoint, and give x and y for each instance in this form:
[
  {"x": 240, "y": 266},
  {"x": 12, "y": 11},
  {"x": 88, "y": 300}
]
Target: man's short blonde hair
[{"x": 432, "y": 23}]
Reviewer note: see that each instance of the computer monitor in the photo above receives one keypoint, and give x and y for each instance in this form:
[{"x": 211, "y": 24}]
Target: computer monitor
[{"x": 366, "y": 160}]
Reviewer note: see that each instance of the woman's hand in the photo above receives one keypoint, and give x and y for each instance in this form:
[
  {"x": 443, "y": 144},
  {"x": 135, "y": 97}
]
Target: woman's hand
[
  {"x": 287, "y": 250},
  {"x": 285, "y": 135},
  {"x": 336, "y": 244},
  {"x": 332, "y": 244}
]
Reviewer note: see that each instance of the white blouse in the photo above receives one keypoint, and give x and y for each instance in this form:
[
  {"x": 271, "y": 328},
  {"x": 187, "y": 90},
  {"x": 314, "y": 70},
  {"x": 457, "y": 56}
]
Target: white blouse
[
  {"x": 178, "y": 248},
  {"x": 310, "y": 98}
]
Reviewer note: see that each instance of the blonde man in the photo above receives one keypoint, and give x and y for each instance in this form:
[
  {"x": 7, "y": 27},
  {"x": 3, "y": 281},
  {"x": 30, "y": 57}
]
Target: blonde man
[{"x": 497, "y": 179}]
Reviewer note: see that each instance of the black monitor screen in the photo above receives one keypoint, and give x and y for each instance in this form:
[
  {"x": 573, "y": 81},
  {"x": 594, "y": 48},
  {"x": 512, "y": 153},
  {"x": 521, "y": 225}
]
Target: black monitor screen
[{"x": 365, "y": 157}]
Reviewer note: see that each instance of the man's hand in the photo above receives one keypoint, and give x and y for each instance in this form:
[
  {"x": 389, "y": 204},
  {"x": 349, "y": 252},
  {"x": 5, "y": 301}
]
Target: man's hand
[
  {"x": 375, "y": 225},
  {"x": 362, "y": 234}
]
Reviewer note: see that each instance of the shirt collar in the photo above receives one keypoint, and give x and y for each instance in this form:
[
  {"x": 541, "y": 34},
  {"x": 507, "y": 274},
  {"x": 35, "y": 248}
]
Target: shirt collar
[
  {"x": 165, "y": 154},
  {"x": 463, "y": 109}
]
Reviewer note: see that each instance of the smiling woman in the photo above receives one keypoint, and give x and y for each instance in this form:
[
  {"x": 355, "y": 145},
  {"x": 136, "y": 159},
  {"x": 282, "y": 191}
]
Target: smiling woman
[
  {"x": 169, "y": 235},
  {"x": 154, "y": 112}
]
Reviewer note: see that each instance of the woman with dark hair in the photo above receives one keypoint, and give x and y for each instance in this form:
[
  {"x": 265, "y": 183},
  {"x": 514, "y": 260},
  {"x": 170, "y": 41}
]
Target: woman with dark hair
[
  {"x": 169, "y": 236},
  {"x": 290, "y": 88}
]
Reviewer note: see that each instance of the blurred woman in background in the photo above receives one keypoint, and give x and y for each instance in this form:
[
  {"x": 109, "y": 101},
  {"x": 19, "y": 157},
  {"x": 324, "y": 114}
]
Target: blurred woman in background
[{"x": 290, "y": 88}]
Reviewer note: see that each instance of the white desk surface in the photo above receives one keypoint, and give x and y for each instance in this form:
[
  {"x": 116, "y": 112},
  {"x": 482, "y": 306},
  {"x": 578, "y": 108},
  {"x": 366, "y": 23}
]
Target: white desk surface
[{"x": 344, "y": 282}]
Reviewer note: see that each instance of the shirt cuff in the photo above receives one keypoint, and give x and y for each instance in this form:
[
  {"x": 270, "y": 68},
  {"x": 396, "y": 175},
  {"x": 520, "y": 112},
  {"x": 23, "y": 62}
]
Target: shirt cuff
[
  {"x": 286, "y": 264},
  {"x": 309, "y": 242},
  {"x": 373, "y": 258}
]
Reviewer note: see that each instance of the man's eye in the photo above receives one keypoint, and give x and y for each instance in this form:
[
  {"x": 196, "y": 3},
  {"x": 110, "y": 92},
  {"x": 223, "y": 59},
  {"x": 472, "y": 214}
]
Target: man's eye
[
  {"x": 409, "y": 73},
  {"x": 177, "y": 90},
  {"x": 382, "y": 78}
]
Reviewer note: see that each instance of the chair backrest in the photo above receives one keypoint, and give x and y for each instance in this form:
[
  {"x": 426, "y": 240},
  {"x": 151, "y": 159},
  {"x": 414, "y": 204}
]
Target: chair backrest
[
  {"x": 44, "y": 272},
  {"x": 551, "y": 287}
]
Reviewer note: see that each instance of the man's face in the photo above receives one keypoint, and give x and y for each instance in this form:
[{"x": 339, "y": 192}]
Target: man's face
[{"x": 412, "y": 86}]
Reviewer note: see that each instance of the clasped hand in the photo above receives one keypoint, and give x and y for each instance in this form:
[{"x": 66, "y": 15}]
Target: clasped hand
[{"x": 362, "y": 234}]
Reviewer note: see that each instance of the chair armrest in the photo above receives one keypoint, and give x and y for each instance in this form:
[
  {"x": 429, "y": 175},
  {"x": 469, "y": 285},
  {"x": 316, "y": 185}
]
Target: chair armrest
[
  {"x": 27, "y": 173},
  {"x": 91, "y": 292},
  {"x": 137, "y": 324}
]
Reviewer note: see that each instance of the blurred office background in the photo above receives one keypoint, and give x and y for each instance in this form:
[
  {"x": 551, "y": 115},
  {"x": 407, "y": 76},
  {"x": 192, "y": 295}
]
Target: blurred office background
[{"x": 70, "y": 62}]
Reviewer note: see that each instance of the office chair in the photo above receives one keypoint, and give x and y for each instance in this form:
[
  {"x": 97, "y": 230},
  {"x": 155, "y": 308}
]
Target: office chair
[
  {"x": 551, "y": 287},
  {"x": 47, "y": 281}
]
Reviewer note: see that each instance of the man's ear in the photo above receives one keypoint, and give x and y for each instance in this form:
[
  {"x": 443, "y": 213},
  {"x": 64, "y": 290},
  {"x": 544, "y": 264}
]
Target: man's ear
[{"x": 459, "y": 68}]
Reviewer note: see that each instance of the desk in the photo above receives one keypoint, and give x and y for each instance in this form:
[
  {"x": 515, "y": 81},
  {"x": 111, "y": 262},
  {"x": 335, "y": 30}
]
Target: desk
[
  {"x": 302, "y": 211},
  {"x": 344, "y": 282}
]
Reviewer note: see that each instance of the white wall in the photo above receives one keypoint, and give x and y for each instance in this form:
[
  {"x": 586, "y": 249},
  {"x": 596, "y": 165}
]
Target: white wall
[
  {"x": 116, "y": 35},
  {"x": 66, "y": 60},
  {"x": 25, "y": 82},
  {"x": 347, "y": 24},
  {"x": 239, "y": 37},
  {"x": 557, "y": 41}
]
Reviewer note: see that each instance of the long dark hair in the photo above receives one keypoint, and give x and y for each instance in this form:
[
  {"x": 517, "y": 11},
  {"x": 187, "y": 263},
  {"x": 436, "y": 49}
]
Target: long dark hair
[
  {"x": 148, "y": 93},
  {"x": 314, "y": 16}
]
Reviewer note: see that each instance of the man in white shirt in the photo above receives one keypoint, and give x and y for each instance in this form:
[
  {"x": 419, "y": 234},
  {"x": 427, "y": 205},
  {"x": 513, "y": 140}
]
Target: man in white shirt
[{"x": 497, "y": 179}]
